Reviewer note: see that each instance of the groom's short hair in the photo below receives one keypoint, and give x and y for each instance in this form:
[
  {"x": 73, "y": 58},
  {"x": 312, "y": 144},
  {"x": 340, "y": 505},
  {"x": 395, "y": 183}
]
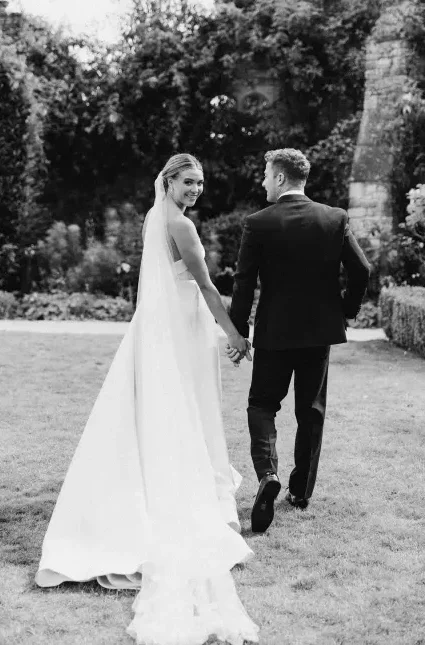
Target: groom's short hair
[{"x": 291, "y": 162}]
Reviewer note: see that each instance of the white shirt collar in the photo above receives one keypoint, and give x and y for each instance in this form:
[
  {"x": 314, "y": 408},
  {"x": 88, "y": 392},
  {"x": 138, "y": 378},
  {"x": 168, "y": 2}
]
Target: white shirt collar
[{"x": 292, "y": 192}]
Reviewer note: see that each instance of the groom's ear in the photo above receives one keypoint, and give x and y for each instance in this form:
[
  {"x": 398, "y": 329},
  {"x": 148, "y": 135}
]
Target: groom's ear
[{"x": 281, "y": 178}]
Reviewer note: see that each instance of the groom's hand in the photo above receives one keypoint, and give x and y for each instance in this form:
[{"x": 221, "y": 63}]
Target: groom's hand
[{"x": 236, "y": 356}]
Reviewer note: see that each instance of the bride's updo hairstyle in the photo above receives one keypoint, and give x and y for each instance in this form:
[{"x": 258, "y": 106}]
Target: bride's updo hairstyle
[{"x": 176, "y": 164}]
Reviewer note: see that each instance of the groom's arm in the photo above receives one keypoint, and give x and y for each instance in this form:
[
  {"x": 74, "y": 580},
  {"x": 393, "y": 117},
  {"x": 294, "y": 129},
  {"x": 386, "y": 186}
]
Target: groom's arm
[
  {"x": 245, "y": 279},
  {"x": 357, "y": 270}
]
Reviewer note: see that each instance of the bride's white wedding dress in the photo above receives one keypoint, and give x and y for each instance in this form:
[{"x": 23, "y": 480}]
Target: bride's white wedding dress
[{"x": 149, "y": 498}]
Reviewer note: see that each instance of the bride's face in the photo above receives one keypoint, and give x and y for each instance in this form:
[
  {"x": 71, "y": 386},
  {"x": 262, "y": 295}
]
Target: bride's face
[{"x": 186, "y": 187}]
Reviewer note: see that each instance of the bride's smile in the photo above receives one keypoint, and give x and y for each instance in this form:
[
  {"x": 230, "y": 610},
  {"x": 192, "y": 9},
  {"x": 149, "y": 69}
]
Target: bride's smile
[{"x": 186, "y": 188}]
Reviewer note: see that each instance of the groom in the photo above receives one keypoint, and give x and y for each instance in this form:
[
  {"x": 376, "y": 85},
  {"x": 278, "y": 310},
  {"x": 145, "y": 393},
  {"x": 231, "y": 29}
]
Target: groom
[{"x": 295, "y": 247}]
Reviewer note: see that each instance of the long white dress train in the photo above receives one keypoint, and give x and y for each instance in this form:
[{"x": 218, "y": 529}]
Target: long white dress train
[{"x": 149, "y": 498}]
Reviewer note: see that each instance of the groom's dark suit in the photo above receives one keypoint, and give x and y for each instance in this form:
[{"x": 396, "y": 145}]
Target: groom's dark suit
[{"x": 296, "y": 247}]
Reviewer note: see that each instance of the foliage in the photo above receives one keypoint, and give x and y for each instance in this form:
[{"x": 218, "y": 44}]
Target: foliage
[
  {"x": 98, "y": 270},
  {"x": 9, "y": 267},
  {"x": 415, "y": 220},
  {"x": 406, "y": 132},
  {"x": 405, "y": 252},
  {"x": 368, "y": 316},
  {"x": 85, "y": 138},
  {"x": 407, "y": 147},
  {"x": 61, "y": 249},
  {"x": 221, "y": 237},
  {"x": 405, "y": 258},
  {"x": 328, "y": 180},
  {"x": 183, "y": 98},
  {"x": 8, "y": 305},
  {"x": 22, "y": 160},
  {"x": 403, "y": 316},
  {"x": 75, "y": 306},
  {"x": 129, "y": 245},
  {"x": 111, "y": 267}
]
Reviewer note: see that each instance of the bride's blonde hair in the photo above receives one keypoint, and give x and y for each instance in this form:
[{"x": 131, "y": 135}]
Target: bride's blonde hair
[{"x": 176, "y": 164}]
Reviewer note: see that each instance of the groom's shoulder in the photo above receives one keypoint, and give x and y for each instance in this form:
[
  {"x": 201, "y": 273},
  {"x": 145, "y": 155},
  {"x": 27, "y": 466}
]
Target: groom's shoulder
[
  {"x": 335, "y": 211},
  {"x": 333, "y": 215},
  {"x": 256, "y": 219}
]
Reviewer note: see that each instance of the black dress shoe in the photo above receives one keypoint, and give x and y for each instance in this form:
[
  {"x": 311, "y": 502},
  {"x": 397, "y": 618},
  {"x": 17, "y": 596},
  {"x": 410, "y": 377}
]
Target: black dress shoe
[
  {"x": 263, "y": 509},
  {"x": 297, "y": 502}
]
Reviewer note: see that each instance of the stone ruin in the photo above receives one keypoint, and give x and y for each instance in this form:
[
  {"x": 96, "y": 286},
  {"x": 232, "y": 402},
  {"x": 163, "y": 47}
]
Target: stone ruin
[{"x": 387, "y": 65}]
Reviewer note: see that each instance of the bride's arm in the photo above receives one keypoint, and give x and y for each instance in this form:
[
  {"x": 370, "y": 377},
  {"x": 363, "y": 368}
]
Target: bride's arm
[{"x": 187, "y": 241}]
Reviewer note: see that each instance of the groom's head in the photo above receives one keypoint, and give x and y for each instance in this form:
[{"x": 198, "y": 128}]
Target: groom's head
[{"x": 286, "y": 169}]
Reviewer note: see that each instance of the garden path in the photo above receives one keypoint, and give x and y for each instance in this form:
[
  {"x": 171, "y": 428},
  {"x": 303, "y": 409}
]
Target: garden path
[{"x": 119, "y": 328}]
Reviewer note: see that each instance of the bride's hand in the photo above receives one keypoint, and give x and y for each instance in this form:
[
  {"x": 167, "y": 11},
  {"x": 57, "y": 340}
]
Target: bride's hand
[
  {"x": 159, "y": 186},
  {"x": 237, "y": 348}
]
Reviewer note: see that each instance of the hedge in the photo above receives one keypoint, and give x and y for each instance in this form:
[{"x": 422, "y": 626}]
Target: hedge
[
  {"x": 63, "y": 306},
  {"x": 403, "y": 316}
]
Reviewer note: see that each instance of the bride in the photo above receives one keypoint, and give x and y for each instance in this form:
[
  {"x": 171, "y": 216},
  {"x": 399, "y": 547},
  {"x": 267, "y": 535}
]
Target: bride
[{"x": 148, "y": 501}]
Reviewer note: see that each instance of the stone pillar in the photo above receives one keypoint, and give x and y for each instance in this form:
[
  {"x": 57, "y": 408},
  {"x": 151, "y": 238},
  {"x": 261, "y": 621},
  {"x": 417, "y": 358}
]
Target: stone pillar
[{"x": 387, "y": 58}]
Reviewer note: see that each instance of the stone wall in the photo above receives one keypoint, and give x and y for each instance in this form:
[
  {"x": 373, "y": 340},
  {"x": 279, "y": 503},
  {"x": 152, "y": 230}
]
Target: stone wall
[
  {"x": 252, "y": 84},
  {"x": 387, "y": 63},
  {"x": 257, "y": 81}
]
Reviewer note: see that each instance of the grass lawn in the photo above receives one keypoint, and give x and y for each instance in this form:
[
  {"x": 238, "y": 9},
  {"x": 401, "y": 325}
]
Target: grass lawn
[{"x": 350, "y": 570}]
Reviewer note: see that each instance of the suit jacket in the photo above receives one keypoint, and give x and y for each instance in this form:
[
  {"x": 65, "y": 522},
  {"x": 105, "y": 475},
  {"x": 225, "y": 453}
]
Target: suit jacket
[{"x": 296, "y": 248}]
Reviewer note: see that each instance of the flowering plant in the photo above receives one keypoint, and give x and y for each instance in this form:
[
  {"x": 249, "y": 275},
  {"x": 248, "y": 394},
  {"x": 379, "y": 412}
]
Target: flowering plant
[
  {"x": 406, "y": 250},
  {"x": 415, "y": 220}
]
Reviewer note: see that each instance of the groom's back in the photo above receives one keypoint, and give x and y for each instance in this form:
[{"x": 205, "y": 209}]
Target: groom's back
[{"x": 301, "y": 245}]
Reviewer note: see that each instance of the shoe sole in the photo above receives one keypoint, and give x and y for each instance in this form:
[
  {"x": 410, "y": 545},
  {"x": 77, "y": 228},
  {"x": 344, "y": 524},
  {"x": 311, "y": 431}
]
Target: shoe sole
[{"x": 261, "y": 520}]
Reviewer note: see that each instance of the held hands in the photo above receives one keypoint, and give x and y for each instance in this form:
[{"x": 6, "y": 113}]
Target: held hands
[{"x": 238, "y": 348}]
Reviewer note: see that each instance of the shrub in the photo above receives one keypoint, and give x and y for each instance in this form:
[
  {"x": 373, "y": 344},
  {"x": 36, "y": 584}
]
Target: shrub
[
  {"x": 62, "y": 247},
  {"x": 10, "y": 268},
  {"x": 87, "y": 306},
  {"x": 43, "y": 306},
  {"x": 223, "y": 234},
  {"x": 403, "y": 316},
  {"x": 405, "y": 252},
  {"x": 8, "y": 305},
  {"x": 368, "y": 316},
  {"x": 405, "y": 257},
  {"x": 75, "y": 306},
  {"x": 99, "y": 269},
  {"x": 415, "y": 220},
  {"x": 130, "y": 246}
]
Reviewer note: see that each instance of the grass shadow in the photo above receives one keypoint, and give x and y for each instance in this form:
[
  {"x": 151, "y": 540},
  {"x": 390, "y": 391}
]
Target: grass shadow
[
  {"x": 22, "y": 527},
  {"x": 90, "y": 587}
]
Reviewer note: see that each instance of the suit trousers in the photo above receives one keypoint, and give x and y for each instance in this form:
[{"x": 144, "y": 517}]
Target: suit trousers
[{"x": 271, "y": 376}]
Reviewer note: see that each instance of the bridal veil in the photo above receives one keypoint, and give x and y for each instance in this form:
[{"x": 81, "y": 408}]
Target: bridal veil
[{"x": 144, "y": 504}]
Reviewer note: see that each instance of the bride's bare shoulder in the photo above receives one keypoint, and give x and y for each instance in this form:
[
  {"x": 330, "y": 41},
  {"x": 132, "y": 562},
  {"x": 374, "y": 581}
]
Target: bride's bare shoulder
[{"x": 182, "y": 227}]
